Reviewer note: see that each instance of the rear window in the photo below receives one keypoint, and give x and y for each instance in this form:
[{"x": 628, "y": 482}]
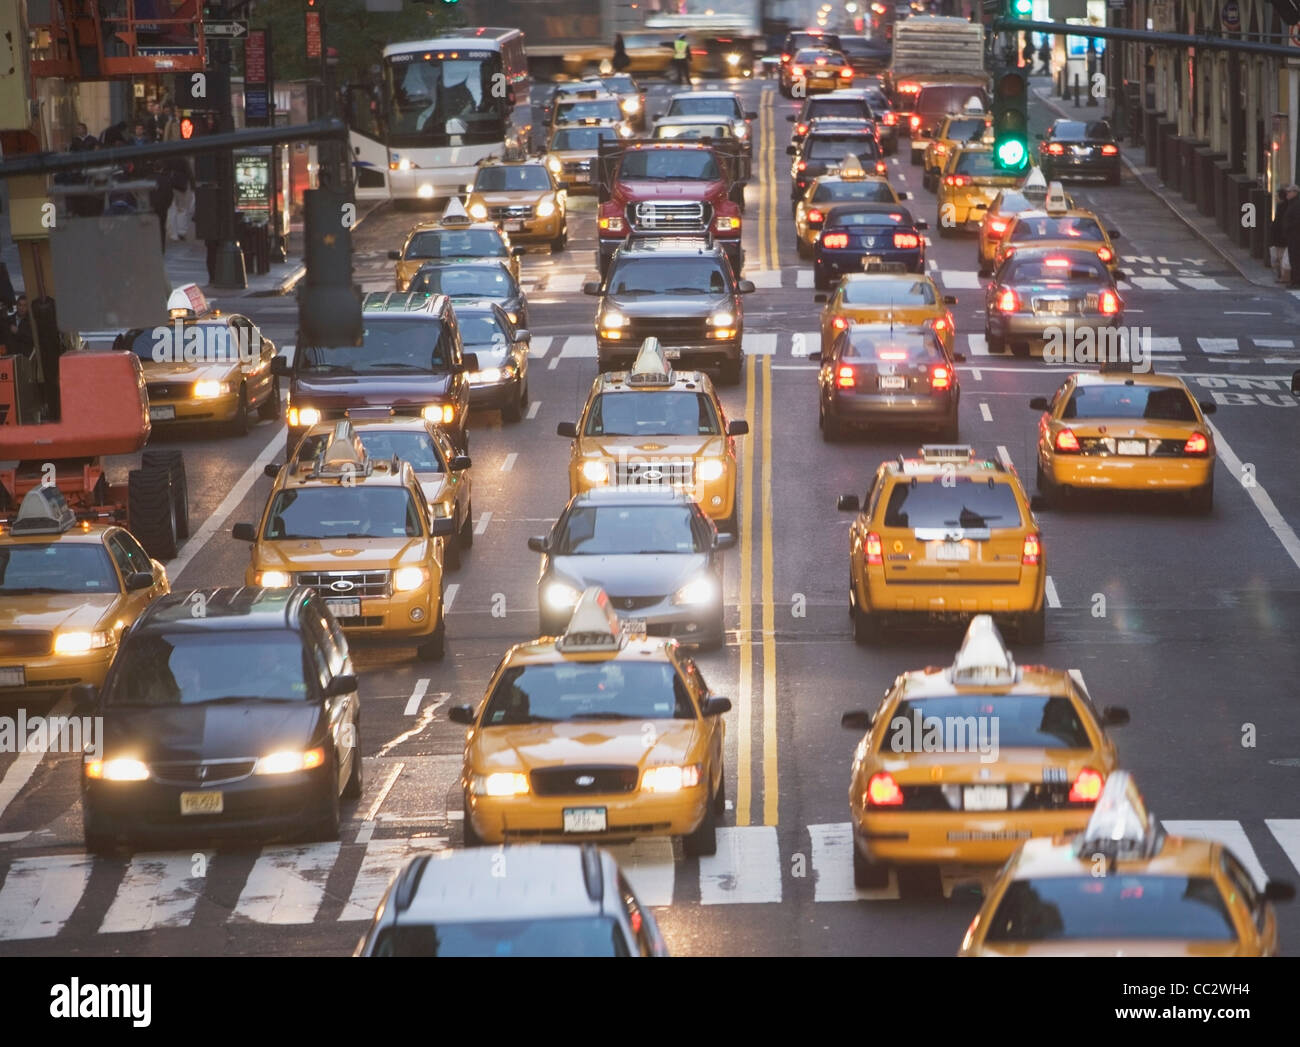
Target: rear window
[
  {"x": 1131, "y": 401},
  {"x": 872, "y": 218},
  {"x": 947, "y": 99},
  {"x": 834, "y": 192},
  {"x": 888, "y": 292},
  {"x": 552, "y": 936},
  {"x": 1077, "y": 131},
  {"x": 840, "y": 146},
  {"x": 1056, "y": 229},
  {"x": 954, "y": 501},
  {"x": 977, "y": 165},
  {"x": 1131, "y": 908},
  {"x": 456, "y": 243},
  {"x": 801, "y": 40},
  {"x": 965, "y": 130},
  {"x": 468, "y": 281},
  {"x": 582, "y": 137},
  {"x": 1009, "y": 722},
  {"x": 721, "y": 105},
  {"x": 819, "y": 58},
  {"x": 891, "y": 348},
  {"x": 1080, "y": 270},
  {"x": 670, "y": 165},
  {"x": 837, "y": 107}
]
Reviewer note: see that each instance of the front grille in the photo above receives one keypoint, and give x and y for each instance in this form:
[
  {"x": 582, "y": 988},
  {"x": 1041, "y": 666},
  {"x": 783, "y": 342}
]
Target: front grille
[
  {"x": 654, "y": 216},
  {"x": 639, "y": 474},
  {"x": 670, "y": 331},
  {"x": 168, "y": 390},
  {"x": 25, "y": 643},
  {"x": 634, "y": 603},
  {"x": 187, "y": 773},
  {"x": 512, "y": 212},
  {"x": 573, "y": 166},
  {"x": 360, "y": 583},
  {"x": 564, "y": 781},
  {"x": 364, "y": 622}
]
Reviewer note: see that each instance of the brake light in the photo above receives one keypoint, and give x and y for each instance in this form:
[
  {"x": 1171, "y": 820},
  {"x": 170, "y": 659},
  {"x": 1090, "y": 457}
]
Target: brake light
[
  {"x": 820, "y": 61},
  {"x": 1109, "y": 303},
  {"x": 1056, "y": 148},
  {"x": 910, "y": 89},
  {"x": 1197, "y": 443},
  {"x": 1052, "y": 263},
  {"x": 941, "y": 325},
  {"x": 801, "y": 129},
  {"x": 1008, "y": 301},
  {"x": 891, "y": 355},
  {"x": 883, "y": 791},
  {"x": 906, "y": 240},
  {"x": 844, "y": 378},
  {"x": 880, "y": 167},
  {"x": 785, "y": 58},
  {"x": 796, "y": 70},
  {"x": 915, "y": 122},
  {"x": 802, "y": 165},
  {"x": 1032, "y": 550},
  {"x": 815, "y": 216},
  {"x": 940, "y": 377},
  {"x": 612, "y": 225},
  {"x": 835, "y": 240},
  {"x": 1087, "y": 786},
  {"x": 1066, "y": 441},
  {"x": 873, "y": 550},
  {"x": 957, "y": 180},
  {"x": 846, "y": 73},
  {"x": 840, "y": 324},
  {"x": 890, "y": 119},
  {"x": 1109, "y": 150},
  {"x": 997, "y": 226},
  {"x": 1105, "y": 254}
]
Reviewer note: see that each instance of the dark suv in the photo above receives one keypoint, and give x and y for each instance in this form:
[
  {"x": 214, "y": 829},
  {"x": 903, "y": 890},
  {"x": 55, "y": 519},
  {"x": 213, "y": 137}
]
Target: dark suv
[
  {"x": 681, "y": 290},
  {"x": 822, "y": 150}
]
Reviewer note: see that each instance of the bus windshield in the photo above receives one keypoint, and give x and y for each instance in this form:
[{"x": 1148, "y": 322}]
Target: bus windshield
[{"x": 435, "y": 101}]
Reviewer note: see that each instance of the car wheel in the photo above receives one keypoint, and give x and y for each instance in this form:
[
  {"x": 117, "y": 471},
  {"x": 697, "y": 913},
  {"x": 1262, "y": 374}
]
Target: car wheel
[
  {"x": 1114, "y": 177},
  {"x": 729, "y": 374},
  {"x": 918, "y": 155},
  {"x": 1033, "y": 627},
  {"x": 1020, "y": 348},
  {"x": 327, "y": 829},
  {"x": 1201, "y": 500},
  {"x": 867, "y": 630},
  {"x": 472, "y": 839},
  {"x": 867, "y": 874},
  {"x": 451, "y": 553},
  {"x": 832, "y": 430},
  {"x": 703, "y": 842},
  {"x": 820, "y": 280},
  {"x": 949, "y": 431},
  {"x": 467, "y": 528},
  {"x": 353, "y": 787},
  {"x": 995, "y": 343},
  {"x": 151, "y": 511},
  {"x": 730, "y": 524},
  {"x": 242, "y": 422},
  {"x": 560, "y": 242},
  {"x": 269, "y": 409},
  {"x": 100, "y": 844},
  {"x": 513, "y": 411},
  {"x": 434, "y": 649},
  {"x": 941, "y": 225}
]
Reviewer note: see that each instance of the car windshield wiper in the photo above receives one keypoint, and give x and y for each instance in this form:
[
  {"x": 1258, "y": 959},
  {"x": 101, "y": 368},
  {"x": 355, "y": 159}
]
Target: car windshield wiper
[
  {"x": 398, "y": 366},
  {"x": 685, "y": 290},
  {"x": 234, "y": 699},
  {"x": 342, "y": 368}
]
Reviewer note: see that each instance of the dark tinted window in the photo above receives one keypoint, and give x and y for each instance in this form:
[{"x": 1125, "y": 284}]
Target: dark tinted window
[
  {"x": 819, "y": 107},
  {"x": 1046, "y": 270},
  {"x": 960, "y": 502},
  {"x": 522, "y": 176},
  {"x": 977, "y": 164},
  {"x": 59, "y": 567},
  {"x": 582, "y": 137},
  {"x": 1076, "y": 130},
  {"x": 818, "y": 57},
  {"x": 482, "y": 329},
  {"x": 456, "y": 243},
  {"x": 465, "y": 281},
  {"x": 1000, "y": 721},
  {"x": 612, "y": 689},
  {"x": 586, "y": 109},
  {"x": 387, "y": 346},
  {"x": 670, "y": 165},
  {"x": 870, "y": 191},
  {"x": 874, "y": 218},
  {"x": 901, "y": 292},
  {"x": 1130, "y": 401},
  {"x": 706, "y": 105},
  {"x": 1114, "y": 906},
  {"x": 566, "y": 936},
  {"x": 965, "y": 129},
  {"x": 612, "y": 530},
  {"x": 668, "y": 276},
  {"x": 837, "y": 147},
  {"x": 343, "y": 512},
  {"x": 898, "y": 348},
  {"x": 1068, "y": 228},
  {"x": 652, "y": 414},
  {"x": 948, "y": 98}
]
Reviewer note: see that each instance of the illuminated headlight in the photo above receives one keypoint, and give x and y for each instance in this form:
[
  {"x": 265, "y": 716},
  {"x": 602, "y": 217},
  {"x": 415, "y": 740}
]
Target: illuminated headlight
[
  {"x": 733, "y": 59},
  {"x": 595, "y": 471},
  {"x": 209, "y": 390},
  {"x": 724, "y": 223},
  {"x": 81, "y": 643},
  {"x": 546, "y": 207},
  {"x": 492, "y": 374},
  {"x": 710, "y": 469},
  {"x": 740, "y": 128},
  {"x": 274, "y": 579},
  {"x": 514, "y": 317},
  {"x": 408, "y": 579},
  {"x": 401, "y": 165},
  {"x": 287, "y": 762},
  {"x": 439, "y": 413},
  {"x": 499, "y": 783},
  {"x": 722, "y": 319},
  {"x": 441, "y": 510},
  {"x": 477, "y": 210},
  {"x": 697, "y": 593},
  {"x": 560, "y": 597},
  {"x": 119, "y": 770},
  {"x": 671, "y": 779},
  {"x": 299, "y": 416},
  {"x": 553, "y": 164},
  {"x": 425, "y": 192},
  {"x": 631, "y": 105},
  {"x": 613, "y": 318},
  {"x": 624, "y": 131}
]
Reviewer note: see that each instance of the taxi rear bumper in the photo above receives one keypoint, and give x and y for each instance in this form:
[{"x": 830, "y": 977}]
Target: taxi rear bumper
[
  {"x": 952, "y": 601},
  {"x": 959, "y": 837},
  {"x": 1034, "y": 328},
  {"x": 1130, "y": 474},
  {"x": 496, "y": 819}
]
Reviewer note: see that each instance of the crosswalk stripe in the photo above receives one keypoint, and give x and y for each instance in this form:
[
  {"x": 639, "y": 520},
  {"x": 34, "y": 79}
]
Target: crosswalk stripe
[
  {"x": 1153, "y": 283},
  {"x": 760, "y": 344},
  {"x": 959, "y": 279},
  {"x": 1274, "y": 343},
  {"x": 803, "y": 279},
  {"x": 746, "y": 868},
  {"x": 158, "y": 890},
  {"x": 1231, "y": 834},
  {"x": 565, "y": 282},
  {"x": 1202, "y": 283},
  {"x": 286, "y": 884},
  {"x": 1217, "y": 345},
  {"x": 832, "y": 863},
  {"x": 650, "y": 868},
  {"x": 39, "y": 894},
  {"x": 804, "y": 342},
  {"x": 765, "y": 279},
  {"x": 382, "y": 861},
  {"x": 1287, "y": 833},
  {"x": 1163, "y": 345},
  {"x": 579, "y": 345},
  {"x": 540, "y": 345}
]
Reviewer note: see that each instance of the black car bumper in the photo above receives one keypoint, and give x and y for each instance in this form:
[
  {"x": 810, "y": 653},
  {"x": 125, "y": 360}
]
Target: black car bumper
[
  {"x": 619, "y": 355},
  {"x": 495, "y": 395},
  {"x": 899, "y": 409},
  {"x": 1082, "y": 167}
]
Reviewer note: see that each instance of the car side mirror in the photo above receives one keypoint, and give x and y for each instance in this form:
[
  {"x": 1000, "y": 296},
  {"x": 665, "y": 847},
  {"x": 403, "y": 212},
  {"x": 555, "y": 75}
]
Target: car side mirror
[
  {"x": 591, "y": 287},
  {"x": 280, "y": 366},
  {"x": 921, "y": 223},
  {"x": 907, "y": 196},
  {"x": 739, "y": 427},
  {"x": 518, "y": 251},
  {"x": 569, "y": 429},
  {"x": 442, "y": 526},
  {"x": 848, "y": 503},
  {"x": 950, "y": 299},
  {"x": 1120, "y": 274},
  {"x": 985, "y": 272},
  {"x": 791, "y": 150},
  {"x": 469, "y": 361},
  {"x": 1114, "y": 234},
  {"x": 858, "y": 720},
  {"x": 244, "y": 532},
  {"x": 1279, "y": 891},
  {"x": 751, "y": 114},
  {"x": 461, "y": 714},
  {"x": 271, "y": 469},
  {"x": 821, "y": 297},
  {"x": 85, "y": 696},
  {"x": 1207, "y": 406},
  {"x": 538, "y": 543},
  {"x": 959, "y": 358},
  {"x": 1037, "y": 503},
  {"x": 395, "y": 256},
  {"x": 1038, "y": 403},
  {"x": 1114, "y": 716},
  {"x": 524, "y": 335},
  {"x": 746, "y": 287},
  {"x": 340, "y": 686},
  {"x": 460, "y": 463},
  {"x": 713, "y": 706},
  {"x": 724, "y": 540},
  {"x": 137, "y": 580},
  {"x": 972, "y": 890}
]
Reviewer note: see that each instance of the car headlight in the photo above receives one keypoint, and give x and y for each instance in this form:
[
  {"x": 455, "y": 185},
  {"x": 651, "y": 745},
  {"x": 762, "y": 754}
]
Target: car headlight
[
  {"x": 595, "y": 471},
  {"x": 499, "y": 783},
  {"x": 710, "y": 469},
  {"x": 119, "y": 770},
  {"x": 210, "y": 390},
  {"x": 697, "y": 593},
  {"x": 671, "y": 779},
  {"x": 289, "y": 761},
  {"x": 560, "y": 597},
  {"x": 733, "y": 58},
  {"x": 722, "y": 318},
  {"x": 407, "y": 579},
  {"x": 439, "y": 413},
  {"x": 624, "y": 131},
  {"x": 425, "y": 192},
  {"x": 546, "y": 207},
  {"x": 514, "y": 317},
  {"x": 613, "y": 318},
  {"x": 274, "y": 579},
  {"x": 554, "y": 165},
  {"x": 441, "y": 510},
  {"x": 81, "y": 643},
  {"x": 401, "y": 165},
  {"x": 741, "y": 128},
  {"x": 303, "y": 416},
  {"x": 631, "y": 105},
  {"x": 477, "y": 210}
]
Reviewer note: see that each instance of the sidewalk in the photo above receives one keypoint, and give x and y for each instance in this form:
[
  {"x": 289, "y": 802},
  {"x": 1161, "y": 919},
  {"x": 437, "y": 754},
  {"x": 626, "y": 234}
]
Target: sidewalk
[{"x": 1249, "y": 267}]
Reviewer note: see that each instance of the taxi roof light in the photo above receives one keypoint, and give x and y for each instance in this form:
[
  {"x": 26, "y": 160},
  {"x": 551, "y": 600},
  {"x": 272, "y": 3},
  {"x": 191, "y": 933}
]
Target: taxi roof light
[
  {"x": 651, "y": 366},
  {"x": 188, "y": 302},
  {"x": 1121, "y": 827},
  {"x": 455, "y": 215},
  {"x": 851, "y": 169},
  {"x": 947, "y": 453},
  {"x": 1056, "y": 203},
  {"x": 983, "y": 656},
  {"x": 593, "y": 626},
  {"x": 343, "y": 455},
  {"x": 1036, "y": 180},
  {"x": 44, "y": 510}
]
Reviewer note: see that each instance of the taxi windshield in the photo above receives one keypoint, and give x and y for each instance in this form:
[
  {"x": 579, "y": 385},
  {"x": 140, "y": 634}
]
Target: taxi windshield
[
  {"x": 977, "y": 165},
  {"x": 1131, "y": 401},
  {"x": 512, "y": 178},
  {"x": 668, "y": 276},
  {"x": 1116, "y": 906},
  {"x": 692, "y": 165},
  {"x": 201, "y": 342},
  {"x": 56, "y": 567},
  {"x": 184, "y": 668},
  {"x": 464, "y": 281},
  {"x": 410, "y": 445},
  {"x": 652, "y": 414},
  {"x": 387, "y": 346},
  {"x": 1068, "y": 228},
  {"x": 343, "y": 512},
  {"x": 608, "y": 690},
  {"x": 456, "y": 243},
  {"x": 837, "y": 147},
  {"x": 588, "y": 109},
  {"x": 617, "y": 530},
  {"x": 978, "y": 722},
  {"x": 906, "y": 292},
  {"x": 717, "y": 105},
  {"x": 835, "y": 192},
  {"x": 550, "y": 936},
  {"x": 575, "y": 138},
  {"x": 957, "y": 501}
]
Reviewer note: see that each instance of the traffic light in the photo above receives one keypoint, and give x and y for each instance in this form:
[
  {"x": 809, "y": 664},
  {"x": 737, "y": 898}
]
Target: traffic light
[
  {"x": 329, "y": 308},
  {"x": 1011, "y": 122},
  {"x": 1022, "y": 9}
]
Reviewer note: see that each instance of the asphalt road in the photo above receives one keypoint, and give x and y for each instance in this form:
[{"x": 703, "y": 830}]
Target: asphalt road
[{"x": 1188, "y": 622}]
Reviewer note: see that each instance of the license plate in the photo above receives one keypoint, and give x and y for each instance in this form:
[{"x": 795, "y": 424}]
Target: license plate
[
  {"x": 951, "y": 551},
  {"x": 1132, "y": 447},
  {"x": 893, "y": 382},
  {"x": 13, "y": 676},
  {"x": 584, "y": 819},
  {"x": 344, "y": 608},
  {"x": 672, "y": 354},
  {"x": 514, "y": 227},
  {"x": 870, "y": 259},
  {"x": 984, "y": 798},
  {"x": 162, "y": 414},
  {"x": 1058, "y": 306},
  {"x": 633, "y": 625},
  {"x": 202, "y": 803}
]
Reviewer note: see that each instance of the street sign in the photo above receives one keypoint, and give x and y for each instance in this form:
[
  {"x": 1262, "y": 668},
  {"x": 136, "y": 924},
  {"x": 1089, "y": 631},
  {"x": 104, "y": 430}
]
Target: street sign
[
  {"x": 1231, "y": 16},
  {"x": 232, "y": 29}
]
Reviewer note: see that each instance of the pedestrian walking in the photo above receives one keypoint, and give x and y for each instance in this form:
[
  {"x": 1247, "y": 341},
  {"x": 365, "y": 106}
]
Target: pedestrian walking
[
  {"x": 181, "y": 214},
  {"x": 1277, "y": 236},
  {"x": 1027, "y": 53},
  {"x": 171, "y": 127},
  {"x": 7, "y": 296},
  {"x": 621, "y": 60},
  {"x": 1291, "y": 229},
  {"x": 18, "y": 329},
  {"x": 1045, "y": 55}
]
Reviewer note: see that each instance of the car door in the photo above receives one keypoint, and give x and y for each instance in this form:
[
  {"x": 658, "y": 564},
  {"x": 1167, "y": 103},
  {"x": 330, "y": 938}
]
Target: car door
[
  {"x": 459, "y": 480},
  {"x": 130, "y": 557},
  {"x": 336, "y": 709},
  {"x": 713, "y": 725},
  {"x": 254, "y": 363}
]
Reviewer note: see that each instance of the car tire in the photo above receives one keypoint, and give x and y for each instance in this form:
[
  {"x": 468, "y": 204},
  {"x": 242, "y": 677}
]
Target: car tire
[
  {"x": 269, "y": 409},
  {"x": 1201, "y": 500},
  {"x": 434, "y": 649},
  {"x": 927, "y": 181},
  {"x": 730, "y": 524},
  {"x": 560, "y": 242},
  {"x": 1114, "y": 177},
  {"x": 804, "y": 250},
  {"x": 950, "y": 430},
  {"x": 994, "y": 343},
  {"x": 1020, "y": 348},
  {"x": 174, "y": 463},
  {"x": 832, "y": 430},
  {"x": 451, "y": 559},
  {"x": 1033, "y": 627},
  {"x": 98, "y": 843},
  {"x": 867, "y": 631},
  {"x": 466, "y": 536},
  {"x": 703, "y": 842},
  {"x": 242, "y": 423},
  {"x": 151, "y": 512},
  {"x": 472, "y": 839},
  {"x": 918, "y": 156},
  {"x": 326, "y": 830},
  {"x": 513, "y": 411},
  {"x": 943, "y": 227},
  {"x": 729, "y": 373},
  {"x": 868, "y": 875},
  {"x": 355, "y": 784},
  {"x": 821, "y": 281}
]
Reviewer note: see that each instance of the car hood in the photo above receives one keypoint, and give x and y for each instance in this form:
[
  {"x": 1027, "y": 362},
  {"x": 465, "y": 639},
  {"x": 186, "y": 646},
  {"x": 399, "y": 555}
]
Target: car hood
[
  {"x": 186, "y": 371},
  {"x": 340, "y": 554},
  {"x": 513, "y": 196},
  {"x": 655, "y": 448},
  {"x": 380, "y": 390},
  {"x": 208, "y": 731},
  {"x": 633, "y": 574},
  {"x": 684, "y": 305},
  {"x": 531, "y": 746},
  {"x": 42, "y": 611},
  {"x": 687, "y": 189}
]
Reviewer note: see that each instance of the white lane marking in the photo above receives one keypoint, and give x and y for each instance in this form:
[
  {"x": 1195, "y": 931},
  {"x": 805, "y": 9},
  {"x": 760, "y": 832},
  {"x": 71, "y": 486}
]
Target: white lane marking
[
  {"x": 985, "y": 413},
  {"x": 382, "y": 861},
  {"x": 1274, "y": 343},
  {"x": 649, "y": 867},
  {"x": 14, "y": 837},
  {"x": 1003, "y": 456},
  {"x": 228, "y": 505},
  {"x": 1164, "y": 345},
  {"x": 157, "y": 890},
  {"x": 975, "y": 373},
  {"x": 1245, "y": 312},
  {"x": 1287, "y": 833},
  {"x": 483, "y": 520},
  {"x": 1231, "y": 834},
  {"x": 421, "y": 687},
  {"x": 1276, "y": 522},
  {"x": 960, "y": 279},
  {"x": 832, "y": 862},
  {"x": 555, "y": 362},
  {"x": 286, "y": 884},
  {"x": 509, "y": 463},
  {"x": 759, "y": 344},
  {"x": 931, "y": 264},
  {"x": 803, "y": 279},
  {"x": 565, "y": 282},
  {"x": 1202, "y": 283},
  {"x": 765, "y": 279},
  {"x": 25, "y": 764},
  {"x": 1217, "y": 345},
  {"x": 802, "y": 342},
  {"x": 579, "y": 345},
  {"x": 367, "y": 829},
  {"x": 539, "y": 346},
  {"x": 39, "y": 894},
  {"x": 533, "y": 407},
  {"x": 1153, "y": 283},
  {"x": 745, "y": 869},
  {"x": 449, "y": 596},
  {"x": 1049, "y": 590}
]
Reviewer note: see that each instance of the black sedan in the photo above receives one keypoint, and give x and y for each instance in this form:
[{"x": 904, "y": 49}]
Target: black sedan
[
  {"x": 1074, "y": 149},
  {"x": 474, "y": 280},
  {"x": 226, "y": 711},
  {"x": 858, "y": 238}
]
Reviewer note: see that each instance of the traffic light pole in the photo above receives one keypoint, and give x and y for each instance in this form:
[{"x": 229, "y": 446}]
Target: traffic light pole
[
  {"x": 228, "y": 268},
  {"x": 1143, "y": 36}
]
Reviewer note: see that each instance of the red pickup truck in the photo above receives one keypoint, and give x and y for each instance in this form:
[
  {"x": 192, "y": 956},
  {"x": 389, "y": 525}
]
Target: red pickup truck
[{"x": 655, "y": 186}]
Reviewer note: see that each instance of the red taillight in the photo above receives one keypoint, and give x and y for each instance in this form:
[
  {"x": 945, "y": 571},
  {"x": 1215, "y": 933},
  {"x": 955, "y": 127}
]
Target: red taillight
[
  {"x": 997, "y": 226},
  {"x": 1105, "y": 254},
  {"x": 840, "y": 324},
  {"x": 1066, "y": 441},
  {"x": 957, "y": 180},
  {"x": 880, "y": 167},
  {"x": 1110, "y": 150},
  {"x": 941, "y": 325},
  {"x": 1008, "y": 301},
  {"x": 796, "y": 70},
  {"x": 1087, "y": 786},
  {"x": 910, "y": 89},
  {"x": 815, "y": 216},
  {"x": 906, "y": 240},
  {"x": 1197, "y": 443},
  {"x": 1032, "y": 551},
  {"x": 835, "y": 240},
  {"x": 846, "y": 73},
  {"x": 844, "y": 378},
  {"x": 883, "y": 791},
  {"x": 890, "y": 119},
  {"x": 802, "y": 165},
  {"x": 915, "y": 122},
  {"x": 801, "y": 129},
  {"x": 785, "y": 59},
  {"x": 940, "y": 377},
  {"x": 1109, "y": 303},
  {"x": 820, "y": 61},
  {"x": 1056, "y": 148}
]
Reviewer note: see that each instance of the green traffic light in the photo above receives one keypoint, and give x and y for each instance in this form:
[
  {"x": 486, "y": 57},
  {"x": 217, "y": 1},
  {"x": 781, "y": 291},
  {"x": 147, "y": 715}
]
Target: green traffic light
[
  {"x": 1011, "y": 153},
  {"x": 1022, "y": 8}
]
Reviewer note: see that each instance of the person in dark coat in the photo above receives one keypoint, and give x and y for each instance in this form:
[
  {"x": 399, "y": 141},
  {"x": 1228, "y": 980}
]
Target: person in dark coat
[
  {"x": 1291, "y": 228},
  {"x": 7, "y": 295},
  {"x": 1277, "y": 234},
  {"x": 18, "y": 329},
  {"x": 621, "y": 60},
  {"x": 1045, "y": 55}
]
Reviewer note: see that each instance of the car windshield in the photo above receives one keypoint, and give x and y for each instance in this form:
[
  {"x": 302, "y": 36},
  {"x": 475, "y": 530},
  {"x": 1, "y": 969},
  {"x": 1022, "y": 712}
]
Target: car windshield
[
  {"x": 836, "y": 147},
  {"x": 608, "y": 690},
  {"x": 719, "y": 105},
  {"x": 1162, "y": 404},
  {"x": 688, "y": 165},
  {"x": 836, "y": 107},
  {"x": 904, "y": 292},
  {"x": 965, "y": 129},
  {"x": 1069, "y": 228},
  {"x": 984, "y": 723},
  {"x": 193, "y": 668},
  {"x": 56, "y": 567},
  {"x": 410, "y": 445},
  {"x": 668, "y": 276},
  {"x": 652, "y": 414},
  {"x": 581, "y": 138},
  {"x": 956, "y": 501},
  {"x": 1012, "y": 203},
  {"x": 615, "y": 530},
  {"x": 387, "y": 346},
  {"x": 478, "y": 329},
  {"x": 210, "y": 342},
  {"x": 886, "y": 347},
  {"x": 1077, "y": 131},
  {"x": 876, "y": 218},
  {"x": 620, "y": 84},
  {"x": 582, "y": 109},
  {"x": 836, "y": 192},
  {"x": 343, "y": 512},
  {"x": 666, "y": 130},
  {"x": 456, "y": 243},
  {"x": 465, "y": 281},
  {"x": 550, "y": 936},
  {"x": 512, "y": 178},
  {"x": 1042, "y": 270},
  {"x": 978, "y": 164},
  {"x": 1115, "y": 906}
]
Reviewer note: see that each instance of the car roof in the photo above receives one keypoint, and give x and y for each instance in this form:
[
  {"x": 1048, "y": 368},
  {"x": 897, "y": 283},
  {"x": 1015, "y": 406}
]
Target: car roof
[
  {"x": 436, "y": 226},
  {"x": 648, "y": 494},
  {"x": 703, "y": 94},
  {"x": 692, "y": 118},
  {"x": 683, "y": 381},
  {"x": 407, "y": 305},
  {"x": 868, "y": 207},
  {"x": 1031, "y": 680},
  {"x": 84, "y": 533},
  {"x": 383, "y": 474},
  {"x": 226, "y": 608},
  {"x": 1163, "y": 381},
  {"x": 1178, "y": 856}
]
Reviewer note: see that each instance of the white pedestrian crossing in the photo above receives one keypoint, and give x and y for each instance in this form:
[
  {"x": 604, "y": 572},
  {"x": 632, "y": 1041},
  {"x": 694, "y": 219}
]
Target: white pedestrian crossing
[
  {"x": 286, "y": 884},
  {"x": 565, "y": 283},
  {"x": 579, "y": 345},
  {"x": 1230, "y": 834},
  {"x": 959, "y": 279},
  {"x": 1287, "y": 833},
  {"x": 745, "y": 870},
  {"x": 832, "y": 867},
  {"x": 1202, "y": 283},
  {"x": 803, "y": 279},
  {"x": 760, "y": 344},
  {"x": 39, "y": 894},
  {"x": 540, "y": 345},
  {"x": 383, "y": 860},
  {"x": 1163, "y": 346},
  {"x": 158, "y": 890},
  {"x": 1274, "y": 343},
  {"x": 650, "y": 868},
  {"x": 1153, "y": 283},
  {"x": 765, "y": 279},
  {"x": 1217, "y": 345}
]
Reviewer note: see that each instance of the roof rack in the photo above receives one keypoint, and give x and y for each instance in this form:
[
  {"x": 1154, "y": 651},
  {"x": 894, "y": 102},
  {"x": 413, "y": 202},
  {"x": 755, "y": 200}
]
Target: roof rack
[
  {"x": 651, "y": 366},
  {"x": 401, "y": 301},
  {"x": 1121, "y": 827},
  {"x": 593, "y": 625},
  {"x": 983, "y": 657},
  {"x": 343, "y": 456},
  {"x": 44, "y": 510}
]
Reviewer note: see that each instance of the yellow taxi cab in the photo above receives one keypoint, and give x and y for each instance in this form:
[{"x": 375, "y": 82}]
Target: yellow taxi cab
[
  {"x": 1123, "y": 887},
  {"x": 594, "y": 735},
  {"x": 1031, "y": 195},
  {"x": 1123, "y": 431},
  {"x": 942, "y": 537},
  {"x": 524, "y": 198},
  {"x": 654, "y": 425},
  {"x": 572, "y": 155},
  {"x": 454, "y": 236},
  {"x": 69, "y": 589},
  {"x": 848, "y": 183},
  {"x": 959, "y": 765},
  {"x": 909, "y": 299},
  {"x": 970, "y": 181},
  {"x": 205, "y": 366},
  {"x": 1059, "y": 225},
  {"x": 358, "y": 531},
  {"x": 972, "y": 124}
]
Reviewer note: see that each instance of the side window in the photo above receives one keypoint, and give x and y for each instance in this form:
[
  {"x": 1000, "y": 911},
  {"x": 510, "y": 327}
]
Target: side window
[
  {"x": 637, "y": 921},
  {"x": 340, "y": 654},
  {"x": 314, "y": 640},
  {"x": 118, "y": 552},
  {"x": 694, "y": 680},
  {"x": 137, "y": 559},
  {"x": 873, "y": 495},
  {"x": 1243, "y": 883}
]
